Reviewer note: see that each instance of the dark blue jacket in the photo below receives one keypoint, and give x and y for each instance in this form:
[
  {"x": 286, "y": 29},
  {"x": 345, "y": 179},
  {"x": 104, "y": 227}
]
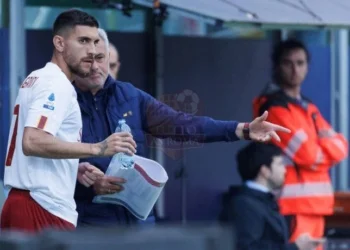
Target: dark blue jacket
[
  {"x": 145, "y": 115},
  {"x": 257, "y": 221}
]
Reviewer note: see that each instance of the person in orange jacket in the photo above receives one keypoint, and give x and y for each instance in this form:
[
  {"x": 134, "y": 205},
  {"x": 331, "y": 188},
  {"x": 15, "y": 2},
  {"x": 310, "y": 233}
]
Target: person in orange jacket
[{"x": 312, "y": 147}]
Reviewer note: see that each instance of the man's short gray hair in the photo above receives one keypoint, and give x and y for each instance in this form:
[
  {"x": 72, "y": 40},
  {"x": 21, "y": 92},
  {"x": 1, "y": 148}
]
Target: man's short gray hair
[{"x": 103, "y": 35}]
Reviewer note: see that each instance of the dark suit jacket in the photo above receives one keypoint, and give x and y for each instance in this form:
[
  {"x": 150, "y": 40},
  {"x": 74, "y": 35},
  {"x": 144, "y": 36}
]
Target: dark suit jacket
[{"x": 258, "y": 223}]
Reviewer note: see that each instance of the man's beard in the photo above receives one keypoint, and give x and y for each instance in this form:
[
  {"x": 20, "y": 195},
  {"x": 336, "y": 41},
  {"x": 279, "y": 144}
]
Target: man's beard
[
  {"x": 291, "y": 84},
  {"x": 75, "y": 65},
  {"x": 76, "y": 70}
]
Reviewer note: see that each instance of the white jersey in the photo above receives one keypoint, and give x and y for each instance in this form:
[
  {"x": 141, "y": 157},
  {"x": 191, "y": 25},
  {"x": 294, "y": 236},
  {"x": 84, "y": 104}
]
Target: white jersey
[{"x": 46, "y": 100}]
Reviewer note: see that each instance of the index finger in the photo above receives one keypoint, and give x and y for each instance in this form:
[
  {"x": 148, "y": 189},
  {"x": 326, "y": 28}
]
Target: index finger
[
  {"x": 97, "y": 173},
  {"x": 115, "y": 180},
  {"x": 131, "y": 140},
  {"x": 276, "y": 127},
  {"x": 89, "y": 167},
  {"x": 124, "y": 134}
]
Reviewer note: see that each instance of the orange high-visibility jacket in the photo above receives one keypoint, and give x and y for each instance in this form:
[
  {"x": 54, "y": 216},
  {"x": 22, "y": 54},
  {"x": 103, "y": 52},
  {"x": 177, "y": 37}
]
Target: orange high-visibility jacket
[{"x": 311, "y": 149}]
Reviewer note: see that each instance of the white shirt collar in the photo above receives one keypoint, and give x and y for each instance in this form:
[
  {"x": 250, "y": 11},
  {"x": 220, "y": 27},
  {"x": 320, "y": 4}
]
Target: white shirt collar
[{"x": 257, "y": 186}]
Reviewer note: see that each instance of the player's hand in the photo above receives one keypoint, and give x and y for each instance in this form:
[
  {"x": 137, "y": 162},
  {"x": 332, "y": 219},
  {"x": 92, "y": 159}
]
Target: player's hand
[
  {"x": 108, "y": 185},
  {"x": 263, "y": 131},
  {"x": 88, "y": 174},
  {"x": 116, "y": 143}
]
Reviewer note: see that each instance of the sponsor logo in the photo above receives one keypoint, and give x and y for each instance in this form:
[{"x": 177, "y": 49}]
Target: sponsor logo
[{"x": 50, "y": 103}]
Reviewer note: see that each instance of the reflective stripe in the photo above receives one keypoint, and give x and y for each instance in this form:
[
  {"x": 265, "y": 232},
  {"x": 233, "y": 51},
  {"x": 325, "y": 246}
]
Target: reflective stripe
[
  {"x": 295, "y": 143},
  {"x": 340, "y": 145},
  {"x": 287, "y": 161},
  {"x": 319, "y": 159},
  {"x": 307, "y": 189},
  {"x": 326, "y": 133}
]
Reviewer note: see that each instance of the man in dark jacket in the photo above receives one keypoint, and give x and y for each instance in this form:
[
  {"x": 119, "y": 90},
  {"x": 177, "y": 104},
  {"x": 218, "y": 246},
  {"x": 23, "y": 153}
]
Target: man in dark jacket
[
  {"x": 103, "y": 101},
  {"x": 254, "y": 211}
]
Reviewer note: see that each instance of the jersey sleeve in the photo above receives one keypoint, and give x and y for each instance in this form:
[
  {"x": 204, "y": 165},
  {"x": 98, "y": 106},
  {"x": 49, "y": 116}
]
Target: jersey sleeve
[{"x": 49, "y": 105}]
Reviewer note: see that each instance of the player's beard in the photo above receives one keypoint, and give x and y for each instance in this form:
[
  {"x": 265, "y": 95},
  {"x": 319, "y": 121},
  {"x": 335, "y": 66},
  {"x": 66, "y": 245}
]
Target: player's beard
[
  {"x": 77, "y": 70},
  {"x": 75, "y": 66}
]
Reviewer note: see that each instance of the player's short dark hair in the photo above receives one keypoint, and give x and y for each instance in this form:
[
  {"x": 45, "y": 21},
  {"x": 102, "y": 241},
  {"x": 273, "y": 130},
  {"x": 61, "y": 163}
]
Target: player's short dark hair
[
  {"x": 72, "y": 18},
  {"x": 252, "y": 157},
  {"x": 284, "y": 47}
]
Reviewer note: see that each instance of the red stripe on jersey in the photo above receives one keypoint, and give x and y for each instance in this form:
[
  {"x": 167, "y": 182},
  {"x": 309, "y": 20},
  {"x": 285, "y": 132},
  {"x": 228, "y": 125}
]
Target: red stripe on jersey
[
  {"x": 12, "y": 146},
  {"x": 42, "y": 122}
]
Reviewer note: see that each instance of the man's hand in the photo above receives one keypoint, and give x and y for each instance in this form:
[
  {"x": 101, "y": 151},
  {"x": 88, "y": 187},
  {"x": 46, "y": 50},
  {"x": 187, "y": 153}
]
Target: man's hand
[
  {"x": 88, "y": 174},
  {"x": 305, "y": 242},
  {"x": 108, "y": 185},
  {"x": 261, "y": 130},
  {"x": 115, "y": 143}
]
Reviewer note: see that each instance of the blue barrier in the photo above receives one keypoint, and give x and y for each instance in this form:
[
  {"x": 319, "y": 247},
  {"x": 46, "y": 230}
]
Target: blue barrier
[{"x": 4, "y": 96}]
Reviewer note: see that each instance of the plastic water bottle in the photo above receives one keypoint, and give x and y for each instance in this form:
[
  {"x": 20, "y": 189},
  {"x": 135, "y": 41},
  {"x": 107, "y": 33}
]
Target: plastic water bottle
[{"x": 125, "y": 161}]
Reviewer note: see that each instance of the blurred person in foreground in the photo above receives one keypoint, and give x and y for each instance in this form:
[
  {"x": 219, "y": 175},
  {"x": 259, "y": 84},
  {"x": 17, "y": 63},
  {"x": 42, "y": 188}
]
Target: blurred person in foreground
[
  {"x": 44, "y": 146},
  {"x": 254, "y": 210},
  {"x": 104, "y": 100},
  {"x": 311, "y": 149},
  {"x": 114, "y": 61}
]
